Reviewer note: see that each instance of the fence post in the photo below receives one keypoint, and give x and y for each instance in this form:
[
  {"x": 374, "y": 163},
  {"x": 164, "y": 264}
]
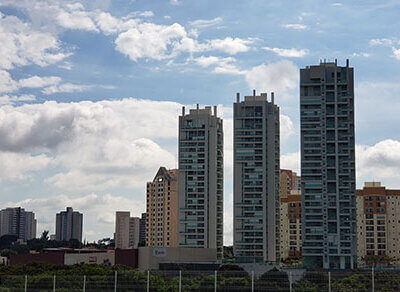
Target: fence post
[
  {"x": 84, "y": 283},
  {"x": 290, "y": 281},
  {"x": 373, "y": 280},
  {"x": 26, "y": 283},
  {"x": 148, "y": 280},
  {"x": 180, "y": 281},
  {"x": 115, "y": 281},
  {"x": 252, "y": 281},
  {"x": 54, "y": 283},
  {"x": 215, "y": 281},
  {"x": 329, "y": 282}
]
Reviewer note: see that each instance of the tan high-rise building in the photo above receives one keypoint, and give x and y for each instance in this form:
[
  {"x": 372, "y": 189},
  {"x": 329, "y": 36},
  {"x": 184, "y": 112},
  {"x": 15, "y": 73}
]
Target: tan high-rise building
[
  {"x": 127, "y": 230},
  {"x": 289, "y": 181},
  {"x": 162, "y": 209},
  {"x": 378, "y": 218},
  {"x": 69, "y": 225},
  {"x": 290, "y": 215}
]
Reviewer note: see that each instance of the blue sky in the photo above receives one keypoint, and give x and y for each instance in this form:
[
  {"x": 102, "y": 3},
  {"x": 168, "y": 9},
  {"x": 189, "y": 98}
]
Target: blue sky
[{"x": 90, "y": 91}]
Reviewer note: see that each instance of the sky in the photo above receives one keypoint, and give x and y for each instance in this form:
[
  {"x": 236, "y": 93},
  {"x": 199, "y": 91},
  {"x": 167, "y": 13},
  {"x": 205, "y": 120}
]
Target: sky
[{"x": 90, "y": 91}]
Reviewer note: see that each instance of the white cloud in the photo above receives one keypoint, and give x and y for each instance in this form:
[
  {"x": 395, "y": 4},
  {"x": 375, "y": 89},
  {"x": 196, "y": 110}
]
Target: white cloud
[
  {"x": 38, "y": 82},
  {"x": 291, "y": 161},
  {"x": 174, "y": 2},
  {"x": 379, "y": 162},
  {"x": 396, "y": 53},
  {"x": 76, "y": 19},
  {"x": 221, "y": 65},
  {"x": 286, "y": 128},
  {"x": 7, "y": 84},
  {"x": 289, "y": 53},
  {"x": 337, "y": 4},
  {"x": 365, "y": 55},
  {"x": 12, "y": 99},
  {"x": 23, "y": 45},
  {"x": 381, "y": 42},
  {"x": 296, "y": 26},
  {"x": 230, "y": 45},
  {"x": 277, "y": 77},
  {"x": 204, "y": 23},
  {"x": 17, "y": 166},
  {"x": 65, "y": 87},
  {"x": 149, "y": 40}
]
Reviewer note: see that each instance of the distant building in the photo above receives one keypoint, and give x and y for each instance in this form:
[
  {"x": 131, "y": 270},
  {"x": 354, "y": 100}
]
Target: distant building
[
  {"x": 290, "y": 231},
  {"x": 17, "y": 221},
  {"x": 69, "y": 225},
  {"x": 378, "y": 218},
  {"x": 201, "y": 179},
  {"x": 162, "y": 209},
  {"x": 127, "y": 230},
  {"x": 142, "y": 230},
  {"x": 328, "y": 166},
  {"x": 256, "y": 179},
  {"x": 290, "y": 181}
]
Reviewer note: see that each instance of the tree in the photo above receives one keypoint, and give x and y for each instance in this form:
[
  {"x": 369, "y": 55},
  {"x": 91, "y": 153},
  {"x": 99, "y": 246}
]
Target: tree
[{"x": 45, "y": 235}]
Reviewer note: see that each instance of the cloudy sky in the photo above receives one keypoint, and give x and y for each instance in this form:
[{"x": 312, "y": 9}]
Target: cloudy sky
[{"x": 90, "y": 91}]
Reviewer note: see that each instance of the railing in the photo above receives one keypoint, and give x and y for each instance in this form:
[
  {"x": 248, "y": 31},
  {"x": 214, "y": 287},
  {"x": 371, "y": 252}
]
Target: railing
[{"x": 262, "y": 278}]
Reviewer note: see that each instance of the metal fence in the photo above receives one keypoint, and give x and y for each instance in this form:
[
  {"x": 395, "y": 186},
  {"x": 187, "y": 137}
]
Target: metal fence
[{"x": 212, "y": 281}]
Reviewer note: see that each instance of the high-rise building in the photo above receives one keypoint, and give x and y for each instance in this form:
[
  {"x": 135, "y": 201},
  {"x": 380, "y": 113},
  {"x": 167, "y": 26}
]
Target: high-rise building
[
  {"x": 290, "y": 230},
  {"x": 289, "y": 181},
  {"x": 162, "y": 209},
  {"x": 201, "y": 179},
  {"x": 328, "y": 166},
  {"x": 69, "y": 225},
  {"x": 17, "y": 221},
  {"x": 378, "y": 217},
  {"x": 142, "y": 232},
  {"x": 127, "y": 230},
  {"x": 256, "y": 179}
]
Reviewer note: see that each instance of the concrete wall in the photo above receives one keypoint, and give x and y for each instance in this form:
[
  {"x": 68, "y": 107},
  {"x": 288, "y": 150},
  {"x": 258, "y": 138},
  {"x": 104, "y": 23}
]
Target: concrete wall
[
  {"x": 107, "y": 258},
  {"x": 55, "y": 258},
  {"x": 150, "y": 257}
]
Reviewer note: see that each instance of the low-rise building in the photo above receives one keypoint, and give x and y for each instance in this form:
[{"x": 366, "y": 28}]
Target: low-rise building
[
  {"x": 378, "y": 222},
  {"x": 150, "y": 258}
]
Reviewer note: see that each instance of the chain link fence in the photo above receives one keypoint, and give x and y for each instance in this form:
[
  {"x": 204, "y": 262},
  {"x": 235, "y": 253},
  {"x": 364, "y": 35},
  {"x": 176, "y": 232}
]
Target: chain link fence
[{"x": 212, "y": 281}]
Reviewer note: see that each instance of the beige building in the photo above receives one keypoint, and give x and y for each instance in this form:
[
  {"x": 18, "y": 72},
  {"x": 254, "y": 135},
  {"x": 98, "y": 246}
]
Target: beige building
[
  {"x": 289, "y": 181},
  {"x": 290, "y": 235},
  {"x": 378, "y": 218},
  {"x": 127, "y": 230},
  {"x": 162, "y": 209}
]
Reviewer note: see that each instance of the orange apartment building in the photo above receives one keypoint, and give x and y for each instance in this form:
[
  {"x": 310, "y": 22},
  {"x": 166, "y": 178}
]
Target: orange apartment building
[{"x": 162, "y": 209}]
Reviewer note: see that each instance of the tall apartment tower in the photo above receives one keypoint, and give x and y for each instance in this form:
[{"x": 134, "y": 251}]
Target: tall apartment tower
[
  {"x": 328, "y": 166},
  {"x": 256, "y": 179},
  {"x": 69, "y": 225},
  {"x": 142, "y": 231},
  {"x": 201, "y": 179},
  {"x": 162, "y": 209},
  {"x": 127, "y": 230},
  {"x": 17, "y": 221}
]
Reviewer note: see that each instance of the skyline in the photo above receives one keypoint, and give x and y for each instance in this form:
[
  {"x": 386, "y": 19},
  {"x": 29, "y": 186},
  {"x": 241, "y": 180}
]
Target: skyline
[{"x": 82, "y": 71}]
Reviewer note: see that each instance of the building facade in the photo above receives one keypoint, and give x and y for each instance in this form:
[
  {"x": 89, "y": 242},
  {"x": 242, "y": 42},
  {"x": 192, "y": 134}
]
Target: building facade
[
  {"x": 256, "y": 179},
  {"x": 290, "y": 230},
  {"x": 328, "y": 166},
  {"x": 378, "y": 218},
  {"x": 69, "y": 225},
  {"x": 142, "y": 232},
  {"x": 17, "y": 221},
  {"x": 162, "y": 209},
  {"x": 127, "y": 230},
  {"x": 289, "y": 181},
  {"x": 201, "y": 179}
]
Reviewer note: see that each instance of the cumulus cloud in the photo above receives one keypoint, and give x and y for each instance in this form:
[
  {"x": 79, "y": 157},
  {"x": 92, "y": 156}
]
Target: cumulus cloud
[
  {"x": 278, "y": 77},
  {"x": 7, "y": 83},
  {"x": 291, "y": 161},
  {"x": 296, "y": 26},
  {"x": 12, "y": 99},
  {"x": 231, "y": 45},
  {"x": 23, "y": 45},
  {"x": 289, "y": 53},
  {"x": 381, "y": 42},
  {"x": 76, "y": 19},
  {"x": 221, "y": 65},
  {"x": 65, "y": 87},
  {"x": 379, "y": 162},
  {"x": 396, "y": 53},
  {"x": 38, "y": 82}
]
